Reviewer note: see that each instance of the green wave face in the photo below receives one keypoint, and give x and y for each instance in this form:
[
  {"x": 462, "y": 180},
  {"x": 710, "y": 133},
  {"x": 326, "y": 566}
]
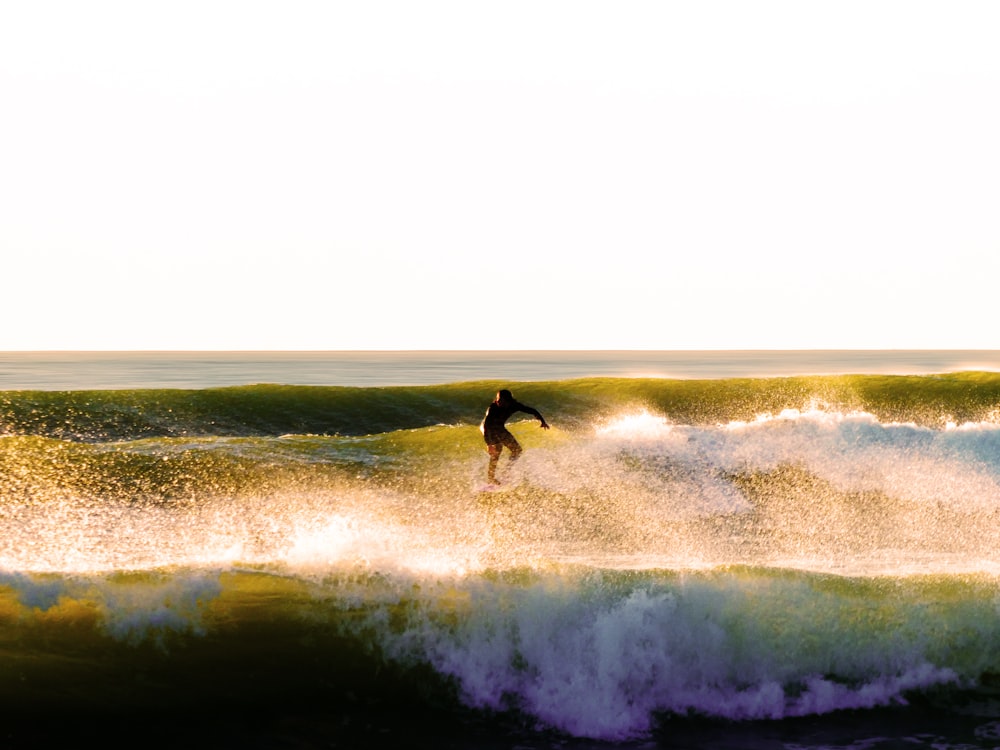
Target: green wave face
[{"x": 277, "y": 410}]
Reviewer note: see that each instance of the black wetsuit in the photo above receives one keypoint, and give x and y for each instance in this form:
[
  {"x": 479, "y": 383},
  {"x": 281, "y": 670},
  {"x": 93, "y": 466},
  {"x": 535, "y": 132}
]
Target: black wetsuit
[{"x": 494, "y": 430}]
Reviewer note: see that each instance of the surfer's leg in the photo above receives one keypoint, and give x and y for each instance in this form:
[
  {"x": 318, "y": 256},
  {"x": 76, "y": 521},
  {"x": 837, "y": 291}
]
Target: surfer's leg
[
  {"x": 513, "y": 446},
  {"x": 494, "y": 451}
]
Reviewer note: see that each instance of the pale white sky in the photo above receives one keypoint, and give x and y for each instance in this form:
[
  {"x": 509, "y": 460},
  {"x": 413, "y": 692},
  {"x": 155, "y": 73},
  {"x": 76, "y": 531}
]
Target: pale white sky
[{"x": 428, "y": 175}]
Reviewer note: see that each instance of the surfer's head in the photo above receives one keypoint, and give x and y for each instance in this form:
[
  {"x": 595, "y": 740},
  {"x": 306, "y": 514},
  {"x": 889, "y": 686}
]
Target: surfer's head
[{"x": 504, "y": 396}]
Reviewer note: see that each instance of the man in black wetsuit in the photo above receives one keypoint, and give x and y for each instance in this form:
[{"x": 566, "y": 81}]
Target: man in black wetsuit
[{"x": 497, "y": 435}]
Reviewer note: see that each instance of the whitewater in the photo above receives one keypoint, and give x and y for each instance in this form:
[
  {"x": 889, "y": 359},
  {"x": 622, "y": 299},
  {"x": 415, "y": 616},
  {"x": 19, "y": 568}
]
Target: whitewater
[{"x": 805, "y": 561}]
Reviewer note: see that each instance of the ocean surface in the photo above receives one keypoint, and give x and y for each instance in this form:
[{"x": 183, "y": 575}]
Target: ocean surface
[
  {"x": 747, "y": 550},
  {"x": 123, "y": 370}
]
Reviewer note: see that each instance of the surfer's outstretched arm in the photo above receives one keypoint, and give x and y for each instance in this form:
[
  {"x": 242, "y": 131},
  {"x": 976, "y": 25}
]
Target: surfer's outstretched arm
[{"x": 535, "y": 413}]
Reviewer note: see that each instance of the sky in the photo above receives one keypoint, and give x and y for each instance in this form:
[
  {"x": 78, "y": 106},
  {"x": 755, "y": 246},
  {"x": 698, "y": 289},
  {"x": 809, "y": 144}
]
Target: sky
[{"x": 518, "y": 175}]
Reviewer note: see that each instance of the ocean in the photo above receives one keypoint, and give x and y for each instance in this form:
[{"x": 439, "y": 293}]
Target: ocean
[{"x": 746, "y": 550}]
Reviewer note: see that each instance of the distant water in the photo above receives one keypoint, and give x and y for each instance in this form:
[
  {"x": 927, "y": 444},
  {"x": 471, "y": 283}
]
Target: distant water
[{"x": 125, "y": 370}]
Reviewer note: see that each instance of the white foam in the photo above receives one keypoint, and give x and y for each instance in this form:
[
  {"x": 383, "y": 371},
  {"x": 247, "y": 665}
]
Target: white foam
[
  {"x": 602, "y": 663},
  {"x": 958, "y": 467},
  {"x": 131, "y": 610}
]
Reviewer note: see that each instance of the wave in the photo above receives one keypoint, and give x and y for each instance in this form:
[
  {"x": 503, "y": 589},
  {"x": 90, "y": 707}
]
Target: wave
[
  {"x": 259, "y": 410},
  {"x": 590, "y": 653},
  {"x": 816, "y": 489},
  {"x": 741, "y": 550}
]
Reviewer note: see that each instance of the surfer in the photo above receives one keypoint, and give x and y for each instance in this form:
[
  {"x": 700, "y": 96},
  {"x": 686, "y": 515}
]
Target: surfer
[{"x": 496, "y": 434}]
